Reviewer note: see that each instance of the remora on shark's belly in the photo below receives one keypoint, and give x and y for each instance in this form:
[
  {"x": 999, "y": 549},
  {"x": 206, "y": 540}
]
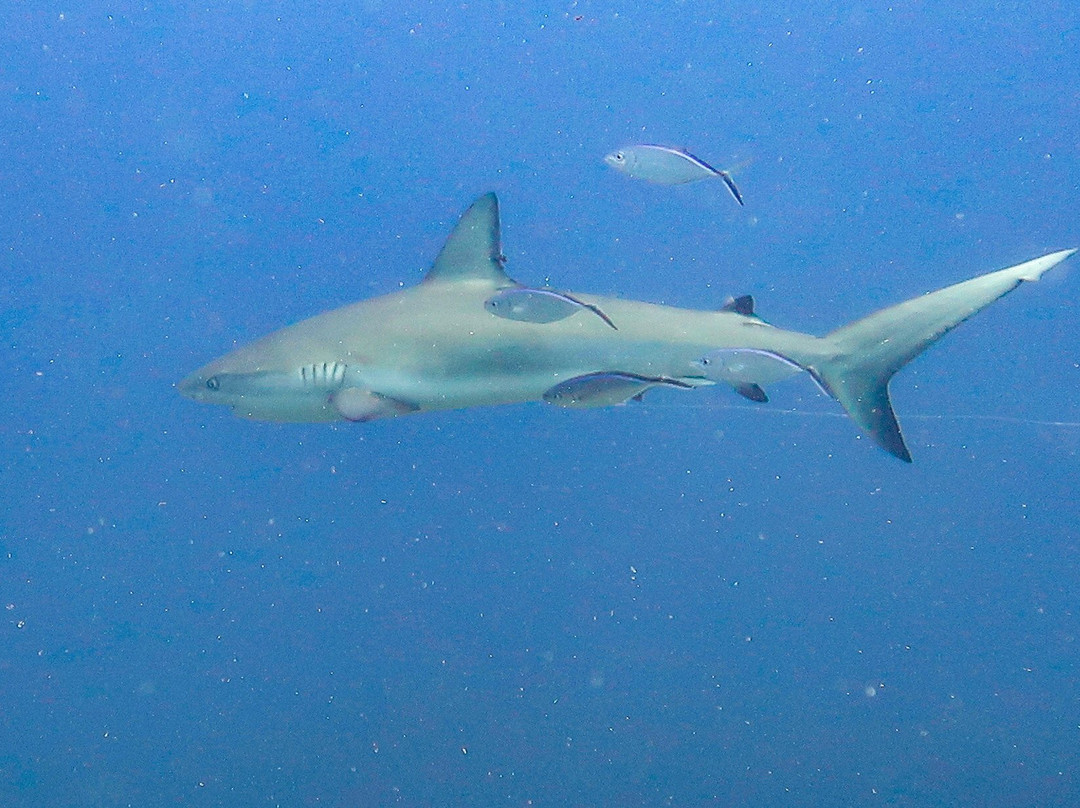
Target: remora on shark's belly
[{"x": 441, "y": 345}]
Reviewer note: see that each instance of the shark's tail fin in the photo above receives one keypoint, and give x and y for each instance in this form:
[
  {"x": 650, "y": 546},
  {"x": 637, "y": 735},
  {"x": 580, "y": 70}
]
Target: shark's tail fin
[{"x": 861, "y": 358}]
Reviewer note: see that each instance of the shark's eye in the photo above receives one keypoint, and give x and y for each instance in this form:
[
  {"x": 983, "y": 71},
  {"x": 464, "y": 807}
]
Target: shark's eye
[{"x": 212, "y": 383}]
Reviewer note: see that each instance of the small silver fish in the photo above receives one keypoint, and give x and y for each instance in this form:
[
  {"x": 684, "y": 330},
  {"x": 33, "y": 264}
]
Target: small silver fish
[
  {"x": 666, "y": 166},
  {"x": 538, "y": 305},
  {"x": 746, "y": 369},
  {"x": 737, "y": 366},
  {"x": 606, "y": 389}
]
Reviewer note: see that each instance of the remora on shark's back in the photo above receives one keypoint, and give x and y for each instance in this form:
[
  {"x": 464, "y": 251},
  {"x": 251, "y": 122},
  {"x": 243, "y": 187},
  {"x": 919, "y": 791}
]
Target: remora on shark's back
[
  {"x": 436, "y": 346},
  {"x": 538, "y": 305}
]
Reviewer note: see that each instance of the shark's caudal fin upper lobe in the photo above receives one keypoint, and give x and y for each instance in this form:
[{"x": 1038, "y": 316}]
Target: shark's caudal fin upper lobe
[{"x": 862, "y": 357}]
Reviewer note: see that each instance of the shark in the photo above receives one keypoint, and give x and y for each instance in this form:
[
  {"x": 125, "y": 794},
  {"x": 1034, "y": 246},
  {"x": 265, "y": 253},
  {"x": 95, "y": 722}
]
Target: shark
[{"x": 451, "y": 342}]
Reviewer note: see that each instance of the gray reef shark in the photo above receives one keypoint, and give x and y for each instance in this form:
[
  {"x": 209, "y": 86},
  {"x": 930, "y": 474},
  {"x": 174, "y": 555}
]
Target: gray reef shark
[{"x": 444, "y": 344}]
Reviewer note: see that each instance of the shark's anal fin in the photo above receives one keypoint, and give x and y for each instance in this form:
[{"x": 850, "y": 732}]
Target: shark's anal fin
[
  {"x": 360, "y": 405},
  {"x": 752, "y": 392},
  {"x": 473, "y": 250}
]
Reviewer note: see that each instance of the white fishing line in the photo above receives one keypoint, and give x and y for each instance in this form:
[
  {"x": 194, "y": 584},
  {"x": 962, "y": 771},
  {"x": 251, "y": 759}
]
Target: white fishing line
[{"x": 1005, "y": 419}]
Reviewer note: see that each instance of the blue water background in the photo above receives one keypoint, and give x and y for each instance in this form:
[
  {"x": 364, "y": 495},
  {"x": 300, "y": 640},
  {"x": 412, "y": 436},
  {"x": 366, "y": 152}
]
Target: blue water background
[{"x": 692, "y": 601}]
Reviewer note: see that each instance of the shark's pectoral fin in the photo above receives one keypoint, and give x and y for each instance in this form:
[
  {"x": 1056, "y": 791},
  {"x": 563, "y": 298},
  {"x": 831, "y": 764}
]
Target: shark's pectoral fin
[
  {"x": 606, "y": 389},
  {"x": 358, "y": 404}
]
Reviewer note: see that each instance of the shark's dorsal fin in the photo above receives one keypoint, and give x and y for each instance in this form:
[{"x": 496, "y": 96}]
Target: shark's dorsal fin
[
  {"x": 473, "y": 251},
  {"x": 740, "y": 305}
]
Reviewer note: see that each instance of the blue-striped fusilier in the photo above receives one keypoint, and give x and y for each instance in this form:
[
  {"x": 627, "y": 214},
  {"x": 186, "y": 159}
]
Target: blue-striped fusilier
[{"x": 666, "y": 166}]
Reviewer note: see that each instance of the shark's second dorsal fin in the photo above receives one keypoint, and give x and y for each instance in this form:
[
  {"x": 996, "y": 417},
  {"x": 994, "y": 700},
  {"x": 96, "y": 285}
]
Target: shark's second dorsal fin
[
  {"x": 740, "y": 305},
  {"x": 473, "y": 250}
]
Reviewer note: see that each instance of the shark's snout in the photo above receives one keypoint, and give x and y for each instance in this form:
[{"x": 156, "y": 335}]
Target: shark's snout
[{"x": 196, "y": 385}]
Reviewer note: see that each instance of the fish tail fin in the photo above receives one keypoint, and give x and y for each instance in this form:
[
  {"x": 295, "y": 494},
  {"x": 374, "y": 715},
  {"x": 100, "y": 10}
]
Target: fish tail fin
[
  {"x": 859, "y": 359},
  {"x": 730, "y": 183}
]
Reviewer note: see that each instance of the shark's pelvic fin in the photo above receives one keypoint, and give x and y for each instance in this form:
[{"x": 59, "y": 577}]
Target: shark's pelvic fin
[
  {"x": 862, "y": 357},
  {"x": 473, "y": 251}
]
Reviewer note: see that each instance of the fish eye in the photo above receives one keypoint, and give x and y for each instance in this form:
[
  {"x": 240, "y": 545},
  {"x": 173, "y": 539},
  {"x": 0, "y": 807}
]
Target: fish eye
[
  {"x": 620, "y": 156},
  {"x": 213, "y": 383}
]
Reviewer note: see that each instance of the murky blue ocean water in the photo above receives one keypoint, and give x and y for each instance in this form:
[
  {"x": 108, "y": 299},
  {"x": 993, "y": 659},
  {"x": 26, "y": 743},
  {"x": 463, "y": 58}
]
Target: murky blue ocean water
[{"x": 691, "y": 601}]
